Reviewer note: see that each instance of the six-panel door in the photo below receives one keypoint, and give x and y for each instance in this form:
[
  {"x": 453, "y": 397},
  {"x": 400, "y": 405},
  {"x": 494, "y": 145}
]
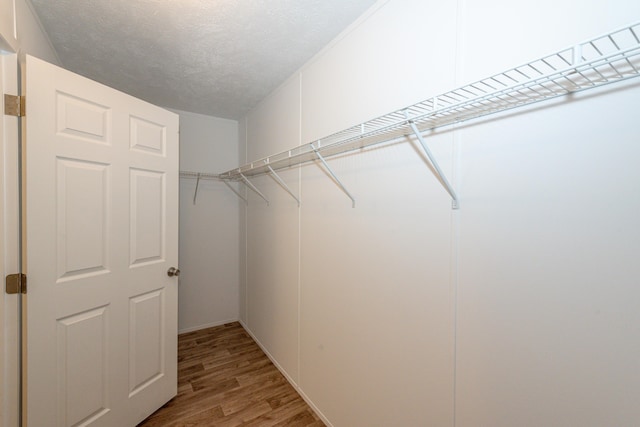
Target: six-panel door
[{"x": 101, "y": 233}]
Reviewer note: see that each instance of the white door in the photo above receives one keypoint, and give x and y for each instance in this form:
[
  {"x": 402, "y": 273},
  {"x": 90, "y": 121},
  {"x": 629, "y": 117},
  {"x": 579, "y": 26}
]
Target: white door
[{"x": 101, "y": 234}]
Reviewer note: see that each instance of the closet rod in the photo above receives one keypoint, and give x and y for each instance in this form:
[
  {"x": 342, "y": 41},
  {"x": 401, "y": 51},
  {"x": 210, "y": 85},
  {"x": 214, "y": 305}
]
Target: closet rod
[{"x": 609, "y": 58}]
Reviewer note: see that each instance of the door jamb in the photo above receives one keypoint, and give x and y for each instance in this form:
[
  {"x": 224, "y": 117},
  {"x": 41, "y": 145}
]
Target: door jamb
[{"x": 10, "y": 340}]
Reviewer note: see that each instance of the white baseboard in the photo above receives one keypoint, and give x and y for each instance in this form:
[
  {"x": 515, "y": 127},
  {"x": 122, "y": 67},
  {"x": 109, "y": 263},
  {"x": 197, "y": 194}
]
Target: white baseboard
[
  {"x": 205, "y": 326},
  {"x": 314, "y": 408}
]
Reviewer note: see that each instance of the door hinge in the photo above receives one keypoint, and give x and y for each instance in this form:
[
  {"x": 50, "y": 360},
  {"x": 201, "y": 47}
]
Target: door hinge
[
  {"x": 14, "y": 105},
  {"x": 16, "y": 283}
]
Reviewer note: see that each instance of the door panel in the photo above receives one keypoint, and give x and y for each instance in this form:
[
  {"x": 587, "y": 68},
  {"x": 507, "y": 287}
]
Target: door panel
[
  {"x": 101, "y": 227},
  {"x": 82, "y": 119},
  {"x": 82, "y": 356},
  {"x": 148, "y": 137},
  {"x": 146, "y": 340},
  {"x": 147, "y": 217},
  {"x": 83, "y": 218}
]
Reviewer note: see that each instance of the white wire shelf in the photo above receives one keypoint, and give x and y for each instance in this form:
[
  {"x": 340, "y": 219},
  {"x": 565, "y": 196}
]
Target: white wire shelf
[
  {"x": 201, "y": 175},
  {"x": 606, "y": 59},
  {"x": 207, "y": 176}
]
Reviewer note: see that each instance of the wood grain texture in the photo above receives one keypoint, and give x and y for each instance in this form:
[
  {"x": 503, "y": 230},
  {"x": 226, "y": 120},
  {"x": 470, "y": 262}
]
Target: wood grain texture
[{"x": 224, "y": 379}]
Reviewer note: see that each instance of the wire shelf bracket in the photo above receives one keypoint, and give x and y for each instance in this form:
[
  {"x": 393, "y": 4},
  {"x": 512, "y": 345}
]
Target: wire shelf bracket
[
  {"x": 283, "y": 184},
  {"x": 440, "y": 175},
  {"x": 246, "y": 202},
  {"x": 198, "y": 176},
  {"x": 606, "y": 59},
  {"x": 253, "y": 187},
  {"x": 335, "y": 178},
  {"x": 195, "y": 193}
]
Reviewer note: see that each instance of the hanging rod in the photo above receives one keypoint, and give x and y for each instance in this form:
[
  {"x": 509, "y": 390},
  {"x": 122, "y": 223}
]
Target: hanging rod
[{"x": 609, "y": 58}]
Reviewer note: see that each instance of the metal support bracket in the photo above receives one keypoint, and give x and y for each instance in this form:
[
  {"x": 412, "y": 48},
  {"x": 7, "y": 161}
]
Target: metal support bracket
[
  {"x": 283, "y": 184},
  {"x": 441, "y": 177},
  {"x": 253, "y": 187},
  {"x": 16, "y": 284},
  {"x": 195, "y": 193},
  {"x": 235, "y": 191},
  {"x": 335, "y": 178}
]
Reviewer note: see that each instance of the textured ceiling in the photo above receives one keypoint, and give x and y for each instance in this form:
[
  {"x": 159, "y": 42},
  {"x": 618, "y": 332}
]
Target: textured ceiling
[{"x": 215, "y": 57}]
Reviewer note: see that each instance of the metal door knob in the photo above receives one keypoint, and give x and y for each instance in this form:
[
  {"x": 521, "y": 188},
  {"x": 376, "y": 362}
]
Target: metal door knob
[{"x": 173, "y": 272}]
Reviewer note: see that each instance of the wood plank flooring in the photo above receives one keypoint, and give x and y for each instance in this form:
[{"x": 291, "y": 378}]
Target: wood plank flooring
[{"x": 225, "y": 380}]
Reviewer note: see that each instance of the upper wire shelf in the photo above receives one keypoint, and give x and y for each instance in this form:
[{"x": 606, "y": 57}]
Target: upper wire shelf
[
  {"x": 199, "y": 175},
  {"x": 606, "y": 59}
]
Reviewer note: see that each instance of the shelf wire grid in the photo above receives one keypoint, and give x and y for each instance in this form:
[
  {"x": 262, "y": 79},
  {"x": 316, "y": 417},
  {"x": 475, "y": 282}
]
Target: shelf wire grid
[
  {"x": 606, "y": 59},
  {"x": 201, "y": 175}
]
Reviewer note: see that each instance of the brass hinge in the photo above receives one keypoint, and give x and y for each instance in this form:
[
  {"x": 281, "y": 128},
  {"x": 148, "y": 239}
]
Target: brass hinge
[
  {"x": 14, "y": 105},
  {"x": 16, "y": 284}
]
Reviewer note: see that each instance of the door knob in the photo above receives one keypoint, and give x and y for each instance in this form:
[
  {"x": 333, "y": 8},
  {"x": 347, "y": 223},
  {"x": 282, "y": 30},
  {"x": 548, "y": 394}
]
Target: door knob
[{"x": 173, "y": 272}]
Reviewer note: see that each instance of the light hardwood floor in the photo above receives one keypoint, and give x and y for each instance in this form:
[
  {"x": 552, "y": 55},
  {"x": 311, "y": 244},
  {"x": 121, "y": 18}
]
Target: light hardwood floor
[{"x": 224, "y": 379}]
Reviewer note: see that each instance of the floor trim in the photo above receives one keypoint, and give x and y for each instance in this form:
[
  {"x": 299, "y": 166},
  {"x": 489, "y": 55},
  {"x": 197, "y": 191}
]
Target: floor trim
[{"x": 295, "y": 385}]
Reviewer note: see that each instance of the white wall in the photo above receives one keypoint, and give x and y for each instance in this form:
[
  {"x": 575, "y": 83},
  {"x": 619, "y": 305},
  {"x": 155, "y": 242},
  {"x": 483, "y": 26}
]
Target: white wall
[
  {"x": 517, "y": 309},
  {"x": 21, "y": 32},
  {"x": 547, "y": 280},
  {"x": 272, "y": 234},
  {"x": 209, "y": 230}
]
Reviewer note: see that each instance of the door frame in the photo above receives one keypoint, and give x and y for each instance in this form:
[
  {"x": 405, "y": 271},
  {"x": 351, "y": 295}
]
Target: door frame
[{"x": 10, "y": 333}]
